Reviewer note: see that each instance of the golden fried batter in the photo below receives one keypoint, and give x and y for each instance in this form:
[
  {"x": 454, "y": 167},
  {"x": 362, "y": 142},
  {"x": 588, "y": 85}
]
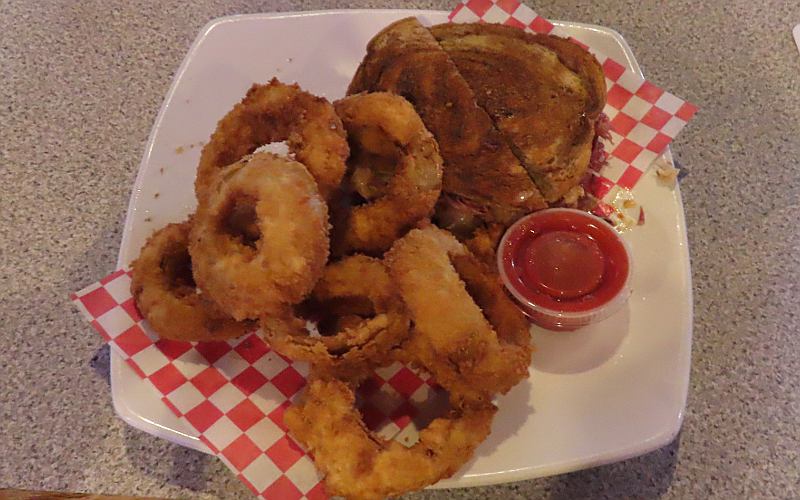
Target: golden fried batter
[
  {"x": 356, "y": 291},
  {"x": 278, "y": 112},
  {"x": 166, "y": 295},
  {"x": 249, "y": 274},
  {"x": 466, "y": 331},
  {"x": 385, "y": 126},
  {"x": 359, "y": 465}
]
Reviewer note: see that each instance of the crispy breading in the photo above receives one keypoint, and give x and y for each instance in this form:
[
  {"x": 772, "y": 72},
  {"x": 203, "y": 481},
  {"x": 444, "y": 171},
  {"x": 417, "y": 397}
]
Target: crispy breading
[
  {"x": 368, "y": 319},
  {"x": 382, "y": 124},
  {"x": 166, "y": 295},
  {"x": 248, "y": 278},
  {"x": 466, "y": 331},
  {"x": 276, "y": 112},
  {"x": 361, "y": 466}
]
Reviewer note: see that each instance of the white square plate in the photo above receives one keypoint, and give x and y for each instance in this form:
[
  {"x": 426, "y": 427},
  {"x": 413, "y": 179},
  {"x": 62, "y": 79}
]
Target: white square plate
[
  {"x": 796, "y": 33},
  {"x": 605, "y": 393}
]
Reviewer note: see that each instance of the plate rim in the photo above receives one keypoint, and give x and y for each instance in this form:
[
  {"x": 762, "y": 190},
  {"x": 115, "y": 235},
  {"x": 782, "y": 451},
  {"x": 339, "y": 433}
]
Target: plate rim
[{"x": 657, "y": 441}]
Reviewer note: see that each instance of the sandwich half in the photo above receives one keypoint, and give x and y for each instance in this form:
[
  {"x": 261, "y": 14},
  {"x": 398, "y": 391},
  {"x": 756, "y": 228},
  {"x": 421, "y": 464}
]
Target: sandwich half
[
  {"x": 544, "y": 93},
  {"x": 484, "y": 181}
]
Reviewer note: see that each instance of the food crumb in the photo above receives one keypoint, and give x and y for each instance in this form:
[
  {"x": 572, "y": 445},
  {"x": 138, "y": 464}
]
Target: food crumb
[
  {"x": 622, "y": 217},
  {"x": 640, "y": 222},
  {"x": 572, "y": 196},
  {"x": 668, "y": 175},
  {"x": 665, "y": 172},
  {"x": 148, "y": 219},
  {"x": 179, "y": 150},
  {"x": 161, "y": 170},
  {"x": 156, "y": 195}
]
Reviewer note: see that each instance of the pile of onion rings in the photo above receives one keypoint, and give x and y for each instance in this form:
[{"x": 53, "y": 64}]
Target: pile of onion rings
[
  {"x": 479, "y": 349},
  {"x": 332, "y": 253},
  {"x": 259, "y": 239}
]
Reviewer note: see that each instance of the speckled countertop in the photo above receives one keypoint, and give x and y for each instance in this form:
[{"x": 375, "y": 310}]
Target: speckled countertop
[{"x": 80, "y": 85}]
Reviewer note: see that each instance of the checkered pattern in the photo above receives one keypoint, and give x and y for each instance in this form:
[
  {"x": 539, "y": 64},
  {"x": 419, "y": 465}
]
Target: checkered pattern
[
  {"x": 644, "y": 118},
  {"x": 233, "y": 394}
]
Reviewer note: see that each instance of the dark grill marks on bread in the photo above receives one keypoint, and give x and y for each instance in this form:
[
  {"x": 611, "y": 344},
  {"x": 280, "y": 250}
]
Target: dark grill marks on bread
[
  {"x": 480, "y": 167},
  {"x": 543, "y": 93}
]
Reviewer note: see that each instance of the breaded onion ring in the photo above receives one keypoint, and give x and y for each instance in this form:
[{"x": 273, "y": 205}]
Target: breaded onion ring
[
  {"x": 248, "y": 274},
  {"x": 368, "y": 316},
  {"x": 359, "y": 465},
  {"x": 484, "y": 241},
  {"x": 467, "y": 332},
  {"x": 166, "y": 295},
  {"x": 400, "y": 158},
  {"x": 272, "y": 113}
]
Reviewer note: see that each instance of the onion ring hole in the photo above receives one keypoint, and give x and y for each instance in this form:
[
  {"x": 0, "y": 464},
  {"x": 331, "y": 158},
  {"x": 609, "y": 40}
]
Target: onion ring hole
[
  {"x": 177, "y": 268},
  {"x": 373, "y": 397},
  {"x": 239, "y": 220}
]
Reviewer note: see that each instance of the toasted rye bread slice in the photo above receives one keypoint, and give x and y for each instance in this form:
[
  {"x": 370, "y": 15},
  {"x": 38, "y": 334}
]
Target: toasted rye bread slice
[
  {"x": 479, "y": 166},
  {"x": 544, "y": 94}
]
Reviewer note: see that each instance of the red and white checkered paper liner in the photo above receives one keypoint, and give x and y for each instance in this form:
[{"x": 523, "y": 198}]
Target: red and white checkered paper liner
[
  {"x": 644, "y": 118},
  {"x": 233, "y": 394}
]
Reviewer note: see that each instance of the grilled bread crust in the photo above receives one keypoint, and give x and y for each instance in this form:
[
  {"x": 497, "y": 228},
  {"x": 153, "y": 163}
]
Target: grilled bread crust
[
  {"x": 543, "y": 93},
  {"x": 480, "y": 167}
]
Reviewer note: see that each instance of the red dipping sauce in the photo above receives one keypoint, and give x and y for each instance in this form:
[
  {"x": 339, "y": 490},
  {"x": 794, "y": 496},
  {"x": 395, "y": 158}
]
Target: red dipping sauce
[{"x": 566, "y": 268}]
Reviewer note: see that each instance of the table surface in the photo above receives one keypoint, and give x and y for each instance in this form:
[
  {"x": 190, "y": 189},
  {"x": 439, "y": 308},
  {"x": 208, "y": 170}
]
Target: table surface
[{"x": 80, "y": 86}]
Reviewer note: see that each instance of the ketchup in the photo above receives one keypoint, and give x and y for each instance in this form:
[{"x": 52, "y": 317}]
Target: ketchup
[{"x": 566, "y": 268}]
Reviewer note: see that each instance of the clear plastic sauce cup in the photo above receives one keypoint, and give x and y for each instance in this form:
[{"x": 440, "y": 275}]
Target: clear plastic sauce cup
[{"x": 566, "y": 268}]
